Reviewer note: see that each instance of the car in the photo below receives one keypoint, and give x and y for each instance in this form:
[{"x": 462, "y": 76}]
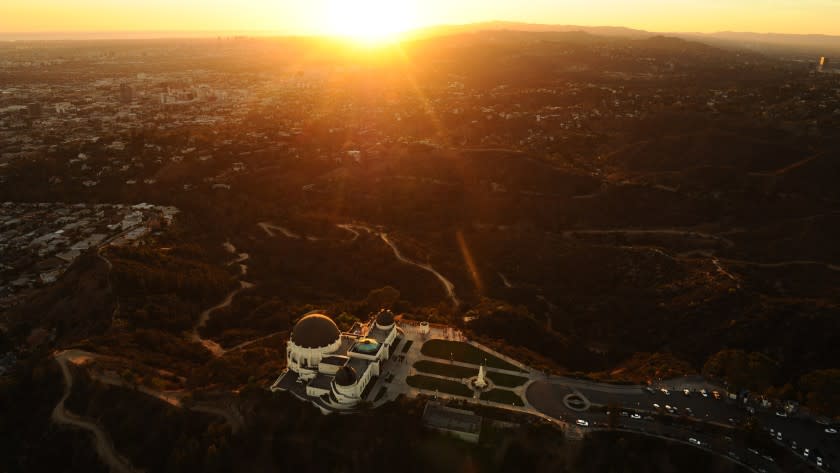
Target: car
[
  {"x": 686, "y": 392},
  {"x": 694, "y": 441},
  {"x": 704, "y": 393},
  {"x": 635, "y": 416},
  {"x": 819, "y": 461},
  {"x": 753, "y": 451},
  {"x": 668, "y": 407},
  {"x": 823, "y": 421},
  {"x": 732, "y": 421},
  {"x": 807, "y": 452},
  {"x": 778, "y": 436},
  {"x": 649, "y": 389},
  {"x": 831, "y": 430},
  {"x": 781, "y": 413},
  {"x": 665, "y": 392},
  {"x": 625, "y": 414},
  {"x": 768, "y": 458},
  {"x": 582, "y": 423},
  {"x": 656, "y": 405}
]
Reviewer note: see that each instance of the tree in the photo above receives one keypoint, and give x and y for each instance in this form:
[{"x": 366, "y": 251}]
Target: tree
[{"x": 384, "y": 297}]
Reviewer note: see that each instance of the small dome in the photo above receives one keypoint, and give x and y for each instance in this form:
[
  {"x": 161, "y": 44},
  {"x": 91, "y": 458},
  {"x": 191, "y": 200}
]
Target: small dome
[
  {"x": 346, "y": 376},
  {"x": 385, "y": 318},
  {"x": 315, "y": 331}
]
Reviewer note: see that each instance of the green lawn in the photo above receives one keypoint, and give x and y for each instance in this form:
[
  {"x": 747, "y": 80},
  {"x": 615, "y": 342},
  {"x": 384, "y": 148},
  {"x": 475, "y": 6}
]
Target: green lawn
[
  {"x": 445, "y": 369},
  {"x": 465, "y": 353},
  {"x": 502, "y": 396},
  {"x": 506, "y": 380},
  {"x": 436, "y": 384}
]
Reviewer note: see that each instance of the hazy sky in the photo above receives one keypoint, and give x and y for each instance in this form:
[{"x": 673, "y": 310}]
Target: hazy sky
[{"x": 320, "y": 16}]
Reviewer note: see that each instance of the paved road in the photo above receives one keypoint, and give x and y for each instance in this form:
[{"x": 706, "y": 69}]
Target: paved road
[{"x": 547, "y": 397}]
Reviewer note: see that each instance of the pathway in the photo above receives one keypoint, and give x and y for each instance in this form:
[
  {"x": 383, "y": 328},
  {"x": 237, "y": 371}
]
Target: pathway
[
  {"x": 195, "y": 333},
  {"x": 447, "y": 284},
  {"x": 270, "y": 227},
  {"x": 102, "y": 442},
  {"x": 355, "y": 230},
  {"x": 173, "y": 398}
]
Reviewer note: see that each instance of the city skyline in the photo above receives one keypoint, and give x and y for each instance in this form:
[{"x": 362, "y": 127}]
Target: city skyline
[{"x": 377, "y": 18}]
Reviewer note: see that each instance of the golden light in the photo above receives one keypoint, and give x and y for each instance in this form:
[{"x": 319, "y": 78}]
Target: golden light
[{"x": 370, "y": 21}]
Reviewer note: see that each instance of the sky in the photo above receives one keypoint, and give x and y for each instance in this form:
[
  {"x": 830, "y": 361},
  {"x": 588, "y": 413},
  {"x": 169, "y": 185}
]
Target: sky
[{"x": 358, "y": 17}]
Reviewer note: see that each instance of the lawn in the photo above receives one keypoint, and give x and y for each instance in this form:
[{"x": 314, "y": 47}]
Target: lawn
[
  {"x": 436, "y": 384},
  {"x": 502, "y": 396},
  {"x": 444, "y": 369},
  {"x": 506, "y": 380},
  {"x": 465, "y": 353}
]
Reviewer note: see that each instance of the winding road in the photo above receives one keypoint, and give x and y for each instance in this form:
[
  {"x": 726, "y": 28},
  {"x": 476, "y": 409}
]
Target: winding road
[
  {"x": 195, "y": 333},
  {"x": 356, "y": 229},
  {"x": 102, "y": 442},
  {"x": 447, "y": 284},
  {"x": 571, "y": 234}
]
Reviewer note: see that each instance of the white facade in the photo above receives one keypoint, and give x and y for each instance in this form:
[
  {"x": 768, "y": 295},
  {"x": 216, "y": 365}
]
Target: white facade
[{"x": 335, "y": 375}]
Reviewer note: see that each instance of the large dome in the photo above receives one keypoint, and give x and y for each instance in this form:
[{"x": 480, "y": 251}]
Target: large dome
[{"x": 315, "y": 331}]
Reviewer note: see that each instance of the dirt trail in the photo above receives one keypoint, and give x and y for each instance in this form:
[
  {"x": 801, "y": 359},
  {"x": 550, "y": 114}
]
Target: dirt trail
[
  {"x": 355, "y": 230},
  {"x": 270, "y": 227},
  {"x": 104, "y": 446},
  {"x": 173, "y": 398}
]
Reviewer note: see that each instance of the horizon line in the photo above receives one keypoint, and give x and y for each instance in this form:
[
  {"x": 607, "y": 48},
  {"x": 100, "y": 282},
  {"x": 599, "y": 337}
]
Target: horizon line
[{"x": 74, "y": 35}]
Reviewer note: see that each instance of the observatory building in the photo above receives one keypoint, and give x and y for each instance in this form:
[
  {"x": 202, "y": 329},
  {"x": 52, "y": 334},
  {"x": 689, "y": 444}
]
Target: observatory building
[{"x": 331, "y": 369}]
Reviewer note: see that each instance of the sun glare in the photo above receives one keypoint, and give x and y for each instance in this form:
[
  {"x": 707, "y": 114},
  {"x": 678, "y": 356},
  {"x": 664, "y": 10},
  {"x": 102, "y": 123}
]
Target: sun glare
[{"x": 370, "y": 21}]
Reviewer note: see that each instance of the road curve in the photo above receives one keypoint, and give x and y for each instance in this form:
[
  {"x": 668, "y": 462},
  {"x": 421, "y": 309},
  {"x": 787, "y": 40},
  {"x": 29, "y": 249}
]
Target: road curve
[
  {"x": 104, "y": 447},
  {"x": 447, "y": 284},
  {"x": 354, "y": 229},
  {"x": 195, "y": 334}
]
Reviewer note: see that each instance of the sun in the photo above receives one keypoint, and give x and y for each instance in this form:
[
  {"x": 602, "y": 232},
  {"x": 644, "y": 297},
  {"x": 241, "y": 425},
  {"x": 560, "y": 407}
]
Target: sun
[{"x": 370, "y": 21}]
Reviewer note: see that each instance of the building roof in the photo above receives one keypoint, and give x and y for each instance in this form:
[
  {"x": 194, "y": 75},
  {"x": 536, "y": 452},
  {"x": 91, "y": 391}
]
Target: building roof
[
  {"x": 336, "y": 360},
  {"x": 321, "y": 381},
  {"x": 315, "y": 331},
  {"x": 346, "y": 376}
]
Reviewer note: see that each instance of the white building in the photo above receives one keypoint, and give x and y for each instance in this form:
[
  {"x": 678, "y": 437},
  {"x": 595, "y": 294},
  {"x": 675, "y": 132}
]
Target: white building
[{"x": 332, "y": 369}]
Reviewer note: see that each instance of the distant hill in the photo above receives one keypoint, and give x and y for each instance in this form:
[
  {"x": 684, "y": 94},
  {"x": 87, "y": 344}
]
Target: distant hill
[
  {"x": 772, "y": 42},
  {"x": 761, "y": 42},
  {"x": 446, "y": 30}
]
